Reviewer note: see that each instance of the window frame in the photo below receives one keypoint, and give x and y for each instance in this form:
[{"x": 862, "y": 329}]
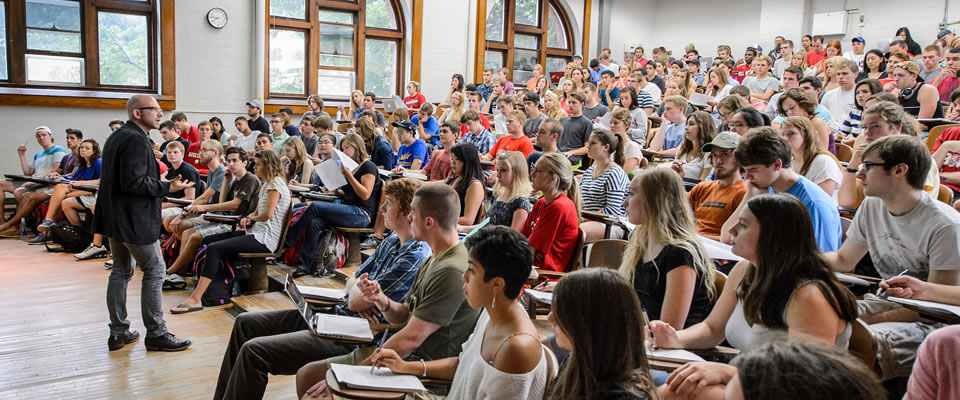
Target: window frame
[
  {"x": 512, "y": 28},
  {"x": 161, "y": 73},
  {"x": 311, "y": 25}
]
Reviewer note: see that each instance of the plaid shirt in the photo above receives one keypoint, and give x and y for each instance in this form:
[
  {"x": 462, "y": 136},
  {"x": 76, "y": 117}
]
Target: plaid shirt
[
  {"x": 484, "y": 141},
  {"x": 394, "y": 266}
]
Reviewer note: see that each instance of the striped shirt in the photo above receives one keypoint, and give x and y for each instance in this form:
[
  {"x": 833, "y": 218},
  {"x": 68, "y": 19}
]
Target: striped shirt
[
  {"x": 606, "y": 192},
  {"x": 852, "y": 124},
  {"x": 394, "y": 266}
]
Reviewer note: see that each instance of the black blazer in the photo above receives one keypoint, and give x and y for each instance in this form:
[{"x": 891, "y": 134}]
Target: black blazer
[{"x": 128, "y": 202}]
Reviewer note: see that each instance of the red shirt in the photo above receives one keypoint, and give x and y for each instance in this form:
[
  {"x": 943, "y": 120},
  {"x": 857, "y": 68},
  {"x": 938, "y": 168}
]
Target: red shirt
[
  {"x": 193, "y": 157},
  {"x": 552, "y": 231},
  {"x": 192, "y": 136},
  {"x": 439, "y": 167},
  {"x": 740, "y": 72},
  {"x": 508, "y": 143},
  {"x": 163, "y": 167},
  {"x": 413, "y": 103},
  {"x": 948, "y": 134},
  {"x": 951, "y": 163},
  {"x": 813, "y": 57},
  {"x": 946, "y": 86}
]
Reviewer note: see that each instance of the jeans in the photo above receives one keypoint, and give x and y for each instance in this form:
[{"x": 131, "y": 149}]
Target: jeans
[
  {"x": 150, "y": 260},
  {"x": 321, "y": 215}
]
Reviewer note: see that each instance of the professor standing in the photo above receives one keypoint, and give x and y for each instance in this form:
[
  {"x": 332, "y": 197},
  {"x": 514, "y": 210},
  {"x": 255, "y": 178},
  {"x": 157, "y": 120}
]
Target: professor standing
[{"x": 128, "y": 212}]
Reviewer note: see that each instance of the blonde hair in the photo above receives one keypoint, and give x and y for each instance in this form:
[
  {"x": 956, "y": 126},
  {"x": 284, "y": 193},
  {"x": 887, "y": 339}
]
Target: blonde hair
[
  {"x": 668, "y": 220},
  {"x": 556, "y": 112},
  {"x": 517, "y": 163},
  {"x": 269, "y": 161},
  {"x": 354, "y": 106},
  {"x": 295, "y": 165},
  {"x": 836, "y": 62},
  {"x": 456, "y": 112},
  {"x": 360, "y": 151},
  {"x": 559, "y": 167}
]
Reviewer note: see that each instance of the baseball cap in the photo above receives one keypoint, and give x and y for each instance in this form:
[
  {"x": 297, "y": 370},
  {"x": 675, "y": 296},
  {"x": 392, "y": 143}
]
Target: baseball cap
[
  {"x": 756, "y": 46},
  {"x": 256, "y": 103},
  {"x": 693, "y": 61},
  {"x": 723, "y": 140},
  {"x": 405, "y": 125},
  {"x": 43, "y": 128},
  {"x": 858, "y": 39},
  {"x": 577, "y": 56},
  {"x": 943, "y": 33},
  {"x": 531, "y": 96}
]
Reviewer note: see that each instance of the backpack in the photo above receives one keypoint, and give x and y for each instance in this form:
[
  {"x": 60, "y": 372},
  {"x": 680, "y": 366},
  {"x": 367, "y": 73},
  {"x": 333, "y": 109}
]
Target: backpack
[
  {"x": 228, "y": 282},
  {"x": 72, "y": 239},
  {"x": 169, "y": 249},
  {"x": 292, "y": 254},
  {"x": 331, "y": 253}
]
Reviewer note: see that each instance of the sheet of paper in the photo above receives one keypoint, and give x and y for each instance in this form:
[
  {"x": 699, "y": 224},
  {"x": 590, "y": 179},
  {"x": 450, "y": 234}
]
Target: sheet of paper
[
  {"x": 346, "y": 160},
  {"x": 543, "y": 297},
  {"x": 415, "y": 175},
  {"x": 851, "y": 280},
  {"x": 718, "y": 251},
  {"x": 322, "y": 293},
  {"x": 341, "y": 325},
  {"x": 360, "y": 377},
  {"x": 928, "y": 304},
  {"x": 674, "y": 354},
  {"x": 700, "y": 99},
  {"x": 329, "y": 173},
  {"x": 604, "y": 122},
  {"x": 295, "y": 188}
]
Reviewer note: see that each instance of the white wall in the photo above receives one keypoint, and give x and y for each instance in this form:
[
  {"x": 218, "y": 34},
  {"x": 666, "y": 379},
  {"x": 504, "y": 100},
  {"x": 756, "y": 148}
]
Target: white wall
[
  {"x": 445, "y": 45},
  {"x": 631, "y": 24}
]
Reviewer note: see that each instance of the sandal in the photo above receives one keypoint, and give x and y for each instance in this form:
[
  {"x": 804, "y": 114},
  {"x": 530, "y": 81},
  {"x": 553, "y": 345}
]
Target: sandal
[{"x": 184, "y": 309}]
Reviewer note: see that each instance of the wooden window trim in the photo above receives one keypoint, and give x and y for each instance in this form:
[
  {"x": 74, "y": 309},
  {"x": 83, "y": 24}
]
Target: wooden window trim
[
  {"x": 105, "y": 97},
  {"x": 511, "y": 28}
]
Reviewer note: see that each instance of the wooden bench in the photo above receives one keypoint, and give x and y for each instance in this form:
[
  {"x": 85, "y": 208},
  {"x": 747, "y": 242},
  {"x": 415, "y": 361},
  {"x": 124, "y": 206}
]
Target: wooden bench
[{"x": 259, "y": 282}]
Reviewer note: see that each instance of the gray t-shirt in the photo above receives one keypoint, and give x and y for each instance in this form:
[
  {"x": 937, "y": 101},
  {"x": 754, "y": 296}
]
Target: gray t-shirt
[
  {"x": 596, "y": 112},
  {"x": 531, "y": 124},
  {"x": 757, "y": 85},
  {"x": 268, "y": 232},
  {"x": 929, "y": 76},
  {"x": 215, "y": 182},
  {"x": 924, "y": 239},
  {"x": 576, "y": 132}
]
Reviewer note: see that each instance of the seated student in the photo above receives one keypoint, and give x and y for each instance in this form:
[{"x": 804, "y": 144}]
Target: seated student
[
  {"x": 43, "y": 163},
  {"x": 357, "y": 208},
  {"x": 742, "y": 91},
  {"x": 414, "y": 99},
  {"x": 505, "y": 104},
  {"x": 592, "y": 108},
  {"x": 604, "y": 185},
  {"x": 576, "y": 130},
  {"x": 766, "y": 157},
  {"x": 949, "y": 78},
  {"x": 665, "y": 260},
  {"x": 784, "y": 284},
  {"x": 670, "y": 134},
  {"x": 476, "y": 104},
  {"x": 186, "y": 172},
  {"x": 511, "y": 205},
  {"x": 809, "y": 158},
  {"x": 379, "y": 149},
  {"x": 747, "y": 118},
  {"x": 184, "y": 129},
  {"x": 947, "y": 159},
  {"x": 691, "y": 161},
  {"x": 515, "y": 140},
  {"x": 905, "y": 231},
  {"x": 279, "y": 136},
  {"x": 438, "y": 317},
  {"x": 427, "y": 125},
  {"x": 797, "y": 102},
  {"x": 353, "y": 109},
  {"x": 369, "y": 103},
  {"x": 288, "y": 125},
  {"x": 315, "y": 104},
  {"x": 468, "y": 181},
  {"x": 498, "y": 266},
  {"x": 232, "y": 195},
  {"x": 297, "y": 165},
  {"x": 86, "y": 173},
  {"x": 620, "y": 120},
  {"x": 413, "y": 151},
  {"x": 840, "y": 99},
  {"x": 279, "y": 342},
  {"x": 168, "y": 131},
  {"x": 852, "y": 126},
  {"x": 553, "y": 225},
  {"x": 499, "y": 90},
  {"x": 247, "y": 139},
  {"x": 70, "y": 162},
  {"x": 933, "y": 372},
  {"x": 308, "y": 135},
  {"x": 761, "y": 84},
  {"x": 726, "y": 109},
  {"x": 880, "y": 120},
  {"x": 608, "y": 92},
  {"x": 262, "y": 237},
  {"x": 439, "y": 168},
  {"x": 551, "y": 106},
  {"x": 193, "y": 155},
  {"x": 718, "y": 85},
  {"x": 532, "y": 102},
  {"x": 547, "y": 138},
  {"x": 713, "y": 202},
  {"x": 674, "y": 88},
  {"x": 476, "y": 133},
  {"x": 457, "y": 107},
  {"x": 607, "y": 357},
  {"x": 917, "y": 98},
  {"x": 770, "y": 372}
]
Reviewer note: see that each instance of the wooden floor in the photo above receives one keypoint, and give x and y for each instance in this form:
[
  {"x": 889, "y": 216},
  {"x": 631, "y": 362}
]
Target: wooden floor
[{"x": 53, "y": 336}]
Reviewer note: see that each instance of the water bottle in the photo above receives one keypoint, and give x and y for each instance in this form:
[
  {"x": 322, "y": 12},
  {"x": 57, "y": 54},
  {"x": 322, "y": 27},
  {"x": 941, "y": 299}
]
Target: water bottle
[{"x": 23, "y": 229}]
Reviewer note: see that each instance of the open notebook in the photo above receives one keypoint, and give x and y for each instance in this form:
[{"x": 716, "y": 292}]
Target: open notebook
[
  {"x": 360, "y": 377},
  {"x": 941, "y": 307},
  {"x": 313, "y": 292},
  {"x": 327, "y": 325}
]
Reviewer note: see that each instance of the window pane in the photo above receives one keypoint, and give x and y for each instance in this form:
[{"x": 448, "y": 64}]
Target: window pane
[
  {"x": 495, "y": 20},
  {"x": 555, "y": 64},
  {"x": 288, "y": 8},
  {"x": 123, "y": 49},
  {"x": 556, "y": 35},
  {"x": 3, "y": 41},
  {"x": 380, "y": 15},
  {"x": 528, "y": 12},
  {"x": 523, "y": 61},
  {"x": 53, "y": 25},
  {"x": 336, "y": 17},
  {"x": 525, "y": 42},
  {"x": 380, "y": 74},
  {"x": 55, "y": 70},
  {"x": 336, "y": 45},
  {"x": 287, "y": 61},
  {"x": 335, "y": 83},
  {"x": 492, "y": 59}
]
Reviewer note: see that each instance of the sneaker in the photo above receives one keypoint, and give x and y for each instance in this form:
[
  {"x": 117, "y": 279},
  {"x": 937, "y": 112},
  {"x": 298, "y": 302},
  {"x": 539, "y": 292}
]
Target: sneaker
[
  {"x": 92, "y": 251},
  {"x": 116, "y": 342},
  {"x": 108, "y": 264},
  {"x": 166, "y": 342},
  {"x": 371, "y": 243},
  {"x": 46, "y": 223},
  {"x": 40, "y": 239},
  {"x": 174, "y": 281}
]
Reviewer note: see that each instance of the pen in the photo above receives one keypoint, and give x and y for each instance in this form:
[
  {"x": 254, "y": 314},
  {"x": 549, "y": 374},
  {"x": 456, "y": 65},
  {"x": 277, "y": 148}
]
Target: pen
[
  {"x": 653, "y": 340},
  {"x": 881, "y": 291},
  {"x": 383, "y": 339}
]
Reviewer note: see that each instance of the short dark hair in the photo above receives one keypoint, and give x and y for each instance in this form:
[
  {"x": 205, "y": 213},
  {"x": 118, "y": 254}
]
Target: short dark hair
[
  {"x": 901, "y": 43},
  {"x": 75, "y": 132},
  {"x": 794, "y": 70},
  {"x": 763, "y": 146},
  {"x": 178, "y": 116},
  {"x": 240, "y": 118},
  {"x": 278, "y": 115},
  {"x": 752, "y": 50},
  {"x": 452, "y": 126},
  {"x": 608, "y": 72},
  {"x": 115, "y": 122},
  {"x": 239, "y": 151},
  {"x": 813, "y": 81},
  {"x": 286, "y": 110},
  {"x": 694, "y": 51},
  {"x": 816, "y": 38},
  {"x": 503, "y": 253},
  {"x": 167, "y": 124},
  {"x": 371, "y": 95},
  {"x": 594, "y": 63},
  {"x": 903, "y": 149},
  {"x": 954, "y": 50}
]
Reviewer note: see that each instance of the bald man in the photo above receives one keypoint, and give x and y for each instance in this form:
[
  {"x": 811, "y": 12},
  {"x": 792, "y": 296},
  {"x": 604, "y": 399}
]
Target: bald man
[{"x": 130, "y": 189}]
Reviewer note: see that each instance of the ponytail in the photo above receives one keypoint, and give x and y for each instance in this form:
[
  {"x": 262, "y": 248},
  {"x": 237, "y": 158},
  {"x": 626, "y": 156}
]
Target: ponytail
[
  {"x": 559, "y": 167},
  {"x": 612, "y": 140}
]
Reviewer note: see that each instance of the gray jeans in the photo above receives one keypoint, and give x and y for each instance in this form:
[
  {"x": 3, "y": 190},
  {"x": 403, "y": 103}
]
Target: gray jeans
[
  {"x": 897, "y": 342},
  {"x": 125, "y": 257}
]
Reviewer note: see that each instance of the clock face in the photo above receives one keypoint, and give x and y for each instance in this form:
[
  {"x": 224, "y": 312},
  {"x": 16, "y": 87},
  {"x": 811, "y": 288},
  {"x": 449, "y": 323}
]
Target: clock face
[{"x": 217, "y": 18}]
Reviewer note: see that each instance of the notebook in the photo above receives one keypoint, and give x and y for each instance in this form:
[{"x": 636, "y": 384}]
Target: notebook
[
  {"x": 312, "y": 292},
  {"x": 327, "y": 325},
  {"x": 543, "y": 297},
  {"x": 941, "y": 307},
  {"x": 360, "y": 377}
]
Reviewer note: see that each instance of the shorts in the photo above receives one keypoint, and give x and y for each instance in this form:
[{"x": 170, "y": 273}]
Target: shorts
[
  {"x": 47, "y": 190},
  {"x": 170, "y": 212},
  {"x": 206, "y": 228},
  {"x": 87, "y": 201}
]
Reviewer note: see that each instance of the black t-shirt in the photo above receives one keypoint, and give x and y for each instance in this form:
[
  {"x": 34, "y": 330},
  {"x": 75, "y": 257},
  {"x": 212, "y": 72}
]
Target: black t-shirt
[
  {"x": 187, "y": 174},
  {"x": 259, "y": 124},
  {"x": 246, "y": 188},
  {"x": 350, "y": 197},
  {"x": 163, "y": 149},
  {"x": 650, "y": 282}
]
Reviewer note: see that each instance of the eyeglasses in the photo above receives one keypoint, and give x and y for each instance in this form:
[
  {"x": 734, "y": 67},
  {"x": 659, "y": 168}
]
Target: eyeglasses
[
  {"x": 154, "y": 109},
  {"x": 867, "y": 165},
  {"x": 325, "y": 142}
]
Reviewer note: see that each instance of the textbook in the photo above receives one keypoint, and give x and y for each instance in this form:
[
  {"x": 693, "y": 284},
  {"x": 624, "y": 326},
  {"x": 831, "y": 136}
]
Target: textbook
[
  {"x": 360, "y": 377},
  {"x": 313, "y": 292}
]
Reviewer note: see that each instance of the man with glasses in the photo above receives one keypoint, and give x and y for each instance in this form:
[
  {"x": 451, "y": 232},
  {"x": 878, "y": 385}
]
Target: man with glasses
[
  {"x": 905, "y": 232},
  {"x": 949, "y": 78},
  {"x": 713, "y": 202},
  {"x": 280, "y": 135},
  {"x": 648, "y": 94},
  {"x": 130, "y": 189}
]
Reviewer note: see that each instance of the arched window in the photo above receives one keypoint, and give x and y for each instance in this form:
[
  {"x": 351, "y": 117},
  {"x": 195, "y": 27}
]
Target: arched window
[
  {"x": 320, "y": 46},
  {"x": 522, "y": 33}
]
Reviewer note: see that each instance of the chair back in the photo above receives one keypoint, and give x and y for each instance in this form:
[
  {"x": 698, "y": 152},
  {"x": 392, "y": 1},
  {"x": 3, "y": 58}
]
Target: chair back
[
  {"x": 935, "y": 134},
  {"x": 575, "y": 262},
  {"x": 342, "y": 128},
  {"x": 844, "y": 152},
  {"x": 606, "y": 253},
  {"x": 553, "y": 369},
  {"x": 862, "y": 344},
  {"x": 844, "y": 225},
  {"x": 286, "y": 226},
  {"x": 945, "y": 194}
]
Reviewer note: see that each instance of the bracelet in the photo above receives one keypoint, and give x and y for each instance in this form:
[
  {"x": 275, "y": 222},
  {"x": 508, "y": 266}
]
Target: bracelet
[
  {"x": 852, "y": 170},
  {"x": 387, "y": 308},
  {"x": 424, "y": 369}
]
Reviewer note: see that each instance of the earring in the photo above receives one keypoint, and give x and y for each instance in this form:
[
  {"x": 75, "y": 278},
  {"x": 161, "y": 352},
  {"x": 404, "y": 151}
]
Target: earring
[{"x": 494, "y": 305}]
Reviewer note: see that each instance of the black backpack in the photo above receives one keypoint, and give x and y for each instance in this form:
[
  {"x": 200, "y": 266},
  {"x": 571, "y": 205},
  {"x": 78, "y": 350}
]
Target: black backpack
[
  {"x": 71, "y": 238},
  {"x": 230, "y": 279}
]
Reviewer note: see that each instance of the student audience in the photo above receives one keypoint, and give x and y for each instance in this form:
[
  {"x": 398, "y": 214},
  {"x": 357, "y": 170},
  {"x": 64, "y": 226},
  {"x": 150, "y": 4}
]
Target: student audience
[
  {"x": 691, "y": 162},
  {"x": 297, "y": 166},
  {"x": 671, "y": 133},
  {"x": 87, "y": 172},
  {"x": 852, "y": 125},
  {"x": 511, "y": 206},
  {"x": 515, "y": 140},
  {"x": 576, "y": 130},
  {"x": 413, "y": 152},
  {"x": 632, "y": 102},
  {"x": 620, "y": 120},
  {"x": 476, "y": 133},
  {"x": 917, "y": 98},
  {"x": 799, "y": 103},
  {"x": 440, "y": 166}
]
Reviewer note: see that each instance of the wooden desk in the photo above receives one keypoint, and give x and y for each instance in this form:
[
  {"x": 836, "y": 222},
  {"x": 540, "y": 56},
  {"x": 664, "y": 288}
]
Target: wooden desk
[
  {"x": 359, "y": 394},
  {"x": 609, "y": 220},
  {"x": 32, "y": 179},
  {"x": 179, "y": 202},
  {"x": 89, "y": 188}
]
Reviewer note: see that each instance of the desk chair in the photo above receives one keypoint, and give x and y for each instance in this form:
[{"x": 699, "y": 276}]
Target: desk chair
[{"x": 258, "y": 261}]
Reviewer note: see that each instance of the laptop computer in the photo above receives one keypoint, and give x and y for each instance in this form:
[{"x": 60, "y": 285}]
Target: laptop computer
[
  {"x": 393, "y": 104},
  {"x": 338, "y": 327}
]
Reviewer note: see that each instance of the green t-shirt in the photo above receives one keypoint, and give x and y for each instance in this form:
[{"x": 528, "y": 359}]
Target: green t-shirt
[{"x": 437, "y": 297}]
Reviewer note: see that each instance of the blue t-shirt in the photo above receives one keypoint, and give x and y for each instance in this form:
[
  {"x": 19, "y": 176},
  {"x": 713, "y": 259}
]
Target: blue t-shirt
[
  {"x": 673, "y": 135},
  {"x": 823, "y": 213},
  {"x": 431, "y": 127},
  {"x": 86, "y": 173},
  {"x": 406, "y": 154},
  {"x": 292, "y": 130},
  {"x": 614, "y": 95}
]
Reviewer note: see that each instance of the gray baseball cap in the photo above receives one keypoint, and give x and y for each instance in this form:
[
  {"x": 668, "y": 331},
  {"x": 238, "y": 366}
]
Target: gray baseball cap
[
  {"x": 724, "y": 140},
  {"x": 256, "y": 103}
]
